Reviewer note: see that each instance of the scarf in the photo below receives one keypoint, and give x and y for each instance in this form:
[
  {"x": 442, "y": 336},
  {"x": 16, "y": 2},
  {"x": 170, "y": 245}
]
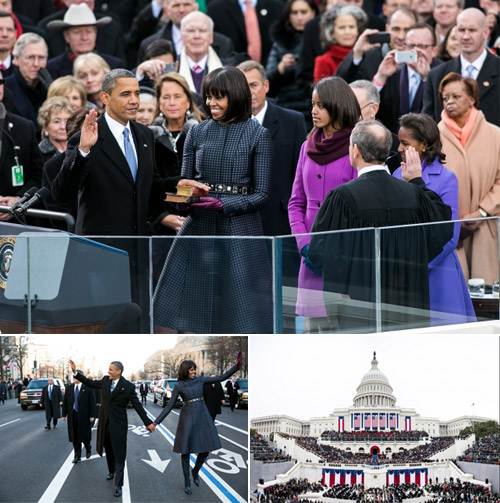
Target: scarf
[
  {"x": 325, "y": 150},
  {"x": 36, "y": 94},
  {"x": 337, "y": 54},
  {"x": 462, "y": 134}
]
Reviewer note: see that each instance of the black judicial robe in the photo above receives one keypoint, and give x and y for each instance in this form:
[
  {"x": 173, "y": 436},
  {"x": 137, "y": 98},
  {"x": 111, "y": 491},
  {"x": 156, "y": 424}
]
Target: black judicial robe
[{"x": 374, "y": 200}]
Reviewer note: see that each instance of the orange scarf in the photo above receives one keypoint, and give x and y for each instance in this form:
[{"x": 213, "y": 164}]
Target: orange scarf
[{"x": 462, "y": 134}]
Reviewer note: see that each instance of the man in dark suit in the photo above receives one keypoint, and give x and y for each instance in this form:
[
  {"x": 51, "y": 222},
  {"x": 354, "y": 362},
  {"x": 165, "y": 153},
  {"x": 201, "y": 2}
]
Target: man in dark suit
[
  {"x": 288, "y": 131},
  {"x": 376, "y": 199},
  {"x": 79, "y": 28},
  {"x": 144, "y": 390},
  {"x": 18, "y": 147},
  {"x": 229, "y": 19},
  {"x": 232, "y": 388},
  {"x": 401, "y": 86},
  {"x": 79, "y": 407},
  {"x": 473, "y": 61},
  {"x": 52, "y": 399},
  {"x": 116, "y": 393},
  {"x": 109, "y": 40},
  {"x": 364, "y": 59},
  {"x": 177, "y": 10}
]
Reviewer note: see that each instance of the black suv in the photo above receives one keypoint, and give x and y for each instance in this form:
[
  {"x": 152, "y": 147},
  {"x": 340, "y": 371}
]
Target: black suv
[
  {"x": 162, "y": 392},
  {"x": 32, "y": 395}
]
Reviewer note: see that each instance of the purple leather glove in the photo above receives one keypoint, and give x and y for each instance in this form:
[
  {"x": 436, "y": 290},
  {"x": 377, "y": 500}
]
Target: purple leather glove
[{"x": 208, "y": 203}]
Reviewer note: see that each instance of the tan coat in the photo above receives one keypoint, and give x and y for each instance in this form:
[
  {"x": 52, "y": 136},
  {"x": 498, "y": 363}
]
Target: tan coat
[{"x": 477, "y": 167}]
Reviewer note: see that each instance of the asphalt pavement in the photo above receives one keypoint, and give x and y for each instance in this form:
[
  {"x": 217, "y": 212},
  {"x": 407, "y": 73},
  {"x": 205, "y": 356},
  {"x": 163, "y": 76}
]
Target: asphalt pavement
[{"x": 35, "y": 464}]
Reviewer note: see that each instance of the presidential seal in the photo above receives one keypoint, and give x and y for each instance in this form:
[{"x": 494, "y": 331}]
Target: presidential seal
[{"x": 6, "y": 253}]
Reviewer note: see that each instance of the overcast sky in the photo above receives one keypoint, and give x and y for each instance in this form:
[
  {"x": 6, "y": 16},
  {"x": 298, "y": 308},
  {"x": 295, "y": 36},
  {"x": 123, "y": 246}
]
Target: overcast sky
[
  {"x": 131, "y": 350},
  {"x": 439, "y": 376}
]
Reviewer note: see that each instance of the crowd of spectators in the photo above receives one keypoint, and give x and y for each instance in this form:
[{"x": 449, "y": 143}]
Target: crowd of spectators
[
  {"x": 369, "y": 436},
  {"x": 262, "y": 451},
  {"x": 485, "y": 450},
  {"x": 289, "y": 491},
  {"x": 330, "y": 454},
  {"x": 394, "y": 493},
  {"x": 456, "y": 491}
]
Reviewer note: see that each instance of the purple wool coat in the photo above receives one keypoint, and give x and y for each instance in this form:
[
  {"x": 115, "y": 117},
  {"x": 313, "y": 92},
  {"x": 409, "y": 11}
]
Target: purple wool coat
[
  {"x": 448, "y": 292},
  {"x": 312, "y": 183}
]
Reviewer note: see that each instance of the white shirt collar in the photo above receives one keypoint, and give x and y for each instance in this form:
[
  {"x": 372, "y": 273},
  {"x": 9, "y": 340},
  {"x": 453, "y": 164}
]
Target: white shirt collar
[
  {"x": 260, "y": 116},
  {"x": 116, "y": 127},
  {"x": 477, "y": 63},
  {"x": 202, "y": 63},
  {"x": 177, "y": 38},
  {"x": 375, "y": 167},
  {"x": 7, "y": 61},
  {"x": 244, "y": 6}
]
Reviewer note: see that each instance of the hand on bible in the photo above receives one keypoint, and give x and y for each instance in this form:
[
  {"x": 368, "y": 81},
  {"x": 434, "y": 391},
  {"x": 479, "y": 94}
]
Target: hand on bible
[{"x": 200, "y": 189}]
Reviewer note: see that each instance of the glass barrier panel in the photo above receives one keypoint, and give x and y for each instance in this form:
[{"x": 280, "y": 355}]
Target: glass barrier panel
[{"x": 218, "y": 285}]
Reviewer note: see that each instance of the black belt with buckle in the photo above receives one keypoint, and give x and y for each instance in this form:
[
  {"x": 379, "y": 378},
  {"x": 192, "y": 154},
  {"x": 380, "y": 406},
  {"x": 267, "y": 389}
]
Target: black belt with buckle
[
  {"x": 197, "y": 399},
  {"x": 225, "y": 188}
]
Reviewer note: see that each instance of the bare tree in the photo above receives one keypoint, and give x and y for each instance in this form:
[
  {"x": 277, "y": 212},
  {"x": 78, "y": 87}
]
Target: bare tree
[
  {"x": 222, "y": 350},
  {"x": 20, "y": 353}
]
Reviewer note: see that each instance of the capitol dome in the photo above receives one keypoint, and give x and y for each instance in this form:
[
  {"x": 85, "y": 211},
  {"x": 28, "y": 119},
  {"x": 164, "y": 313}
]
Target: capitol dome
[{"x": 374, "y": 389}]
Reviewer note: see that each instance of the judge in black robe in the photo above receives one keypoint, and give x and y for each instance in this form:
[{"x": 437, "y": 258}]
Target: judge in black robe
[{"x": 349, "y": 259}]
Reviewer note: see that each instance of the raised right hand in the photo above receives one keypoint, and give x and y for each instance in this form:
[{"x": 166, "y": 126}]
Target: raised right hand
[
  {"x": 89, "y": 135},
  {"x": 73, "y": 366}
]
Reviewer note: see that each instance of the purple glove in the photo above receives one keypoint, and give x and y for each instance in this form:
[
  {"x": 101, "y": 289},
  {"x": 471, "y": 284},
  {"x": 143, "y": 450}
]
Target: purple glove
[{"x": 208, "y": 203}]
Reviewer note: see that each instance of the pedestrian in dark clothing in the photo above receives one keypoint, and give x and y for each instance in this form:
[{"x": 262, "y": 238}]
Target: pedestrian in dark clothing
[{"x": 232, "y": 388}]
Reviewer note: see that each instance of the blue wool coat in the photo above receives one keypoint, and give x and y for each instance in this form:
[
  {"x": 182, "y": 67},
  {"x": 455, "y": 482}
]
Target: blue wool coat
[
  {"x": 214, "y": 285},
  {"x": 448, "y": 292},
  {"x": 196, "y": 431}
]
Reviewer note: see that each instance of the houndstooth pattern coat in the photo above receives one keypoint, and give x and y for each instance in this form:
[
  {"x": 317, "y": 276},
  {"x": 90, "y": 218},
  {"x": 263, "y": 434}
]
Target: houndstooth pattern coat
[{"x": 213, "y": 284}]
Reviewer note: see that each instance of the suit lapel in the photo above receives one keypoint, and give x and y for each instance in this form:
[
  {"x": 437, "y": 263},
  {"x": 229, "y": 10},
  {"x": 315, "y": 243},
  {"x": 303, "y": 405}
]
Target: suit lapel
[
  {"x": 110, "y": 148},
  {"x": 487, "y": 76},
  {"x": 271, "y": 120}
]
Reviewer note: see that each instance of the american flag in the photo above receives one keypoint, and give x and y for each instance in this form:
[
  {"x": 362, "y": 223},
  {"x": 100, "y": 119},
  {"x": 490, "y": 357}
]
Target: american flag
[
  {"x": 392, "y": 421},
  {"x": 375, "y": 420},
  {"x": 381, "y": 421},
  {"x": 367, "y": 421},
  {"x": 357, "y": 421}
]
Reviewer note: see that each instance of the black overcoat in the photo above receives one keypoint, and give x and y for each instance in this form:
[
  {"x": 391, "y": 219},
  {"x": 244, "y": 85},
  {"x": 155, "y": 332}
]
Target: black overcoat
[
  {"x": 196, "y": 431},
  {"x": 57, "y": 398},
  {"x": 213, "y": 394},
  {"x": 86, "y": 409},
  {"x": 113, "y": 412}
]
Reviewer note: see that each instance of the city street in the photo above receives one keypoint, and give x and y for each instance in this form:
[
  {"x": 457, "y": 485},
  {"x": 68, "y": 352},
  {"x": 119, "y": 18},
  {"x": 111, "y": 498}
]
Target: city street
[{"x": 36, "y": 464}]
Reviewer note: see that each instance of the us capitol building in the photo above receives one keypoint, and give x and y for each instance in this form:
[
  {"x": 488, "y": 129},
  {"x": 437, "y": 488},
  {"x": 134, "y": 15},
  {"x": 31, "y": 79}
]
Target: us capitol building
[{"x": 374, "y": 408}]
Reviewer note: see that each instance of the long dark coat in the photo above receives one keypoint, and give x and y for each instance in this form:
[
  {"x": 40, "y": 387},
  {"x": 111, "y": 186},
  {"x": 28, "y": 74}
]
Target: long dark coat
[
  {"x": 221, "y": 285},
  {"x": 196, "y": 431},
  {"x": 113, "y": 412},
  {"x": 86, "y": 409},
  {"x": 213, "y": 394},
  {"x": 57, "y": 398}
]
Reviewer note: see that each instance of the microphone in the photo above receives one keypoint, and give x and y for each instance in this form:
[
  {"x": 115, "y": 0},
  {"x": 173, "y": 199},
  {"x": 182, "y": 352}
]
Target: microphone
[
  {"x": 27, "y": 195},
  {"x": 39, "y": 195}
]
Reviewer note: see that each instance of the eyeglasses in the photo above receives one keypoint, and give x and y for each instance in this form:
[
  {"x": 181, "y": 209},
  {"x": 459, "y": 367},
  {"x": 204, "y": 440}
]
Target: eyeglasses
[
  {"x": 368, "y": 104},
  {"x": 34, "y": 59},
  {"x": 2, "y": 82},
  {"x": 422, "y": 47}
]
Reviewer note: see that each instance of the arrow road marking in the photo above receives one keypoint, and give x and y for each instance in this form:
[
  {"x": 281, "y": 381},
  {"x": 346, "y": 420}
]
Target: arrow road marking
[{"x": 156, "y": 461}]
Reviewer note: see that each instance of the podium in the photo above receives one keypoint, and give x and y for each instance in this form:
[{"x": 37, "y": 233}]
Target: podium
[{"x": 73, "y": 284}]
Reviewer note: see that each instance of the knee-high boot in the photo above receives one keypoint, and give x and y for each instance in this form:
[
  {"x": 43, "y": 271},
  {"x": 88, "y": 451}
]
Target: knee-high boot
[
  {"x": 185, "y": 471},
  {"x": 200, "y": 459}
]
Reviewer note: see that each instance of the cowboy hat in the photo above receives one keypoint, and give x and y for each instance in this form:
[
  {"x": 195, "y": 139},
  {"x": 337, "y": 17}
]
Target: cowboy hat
[{"x": 78, "y": 15}]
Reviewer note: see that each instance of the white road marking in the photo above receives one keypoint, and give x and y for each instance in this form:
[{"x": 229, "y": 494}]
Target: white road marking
[
  {"x": 126, "y": 487},
  {"x": 50, "y": 494},
  {"x": 10, "y": 422},
  {"x": 233, "y": 442},
  {"x": 217, "y": 422}
]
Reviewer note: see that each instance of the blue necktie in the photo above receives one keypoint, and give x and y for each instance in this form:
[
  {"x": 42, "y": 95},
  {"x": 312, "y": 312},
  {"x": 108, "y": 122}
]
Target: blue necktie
[
  {"x": 50, "y": 392},
  {"x": 112, "y": 386},
  {"x": 414, "y": 83},
  {"x": 129, "y": 153},
  {"x": 76, "y": 399}
]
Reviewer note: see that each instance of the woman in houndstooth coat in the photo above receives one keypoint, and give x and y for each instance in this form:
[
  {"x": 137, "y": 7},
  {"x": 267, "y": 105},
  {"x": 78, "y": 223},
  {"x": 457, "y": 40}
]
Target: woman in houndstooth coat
[
  {"x": 211, "y": 284},
  {"x": 196, "y": 431}
]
